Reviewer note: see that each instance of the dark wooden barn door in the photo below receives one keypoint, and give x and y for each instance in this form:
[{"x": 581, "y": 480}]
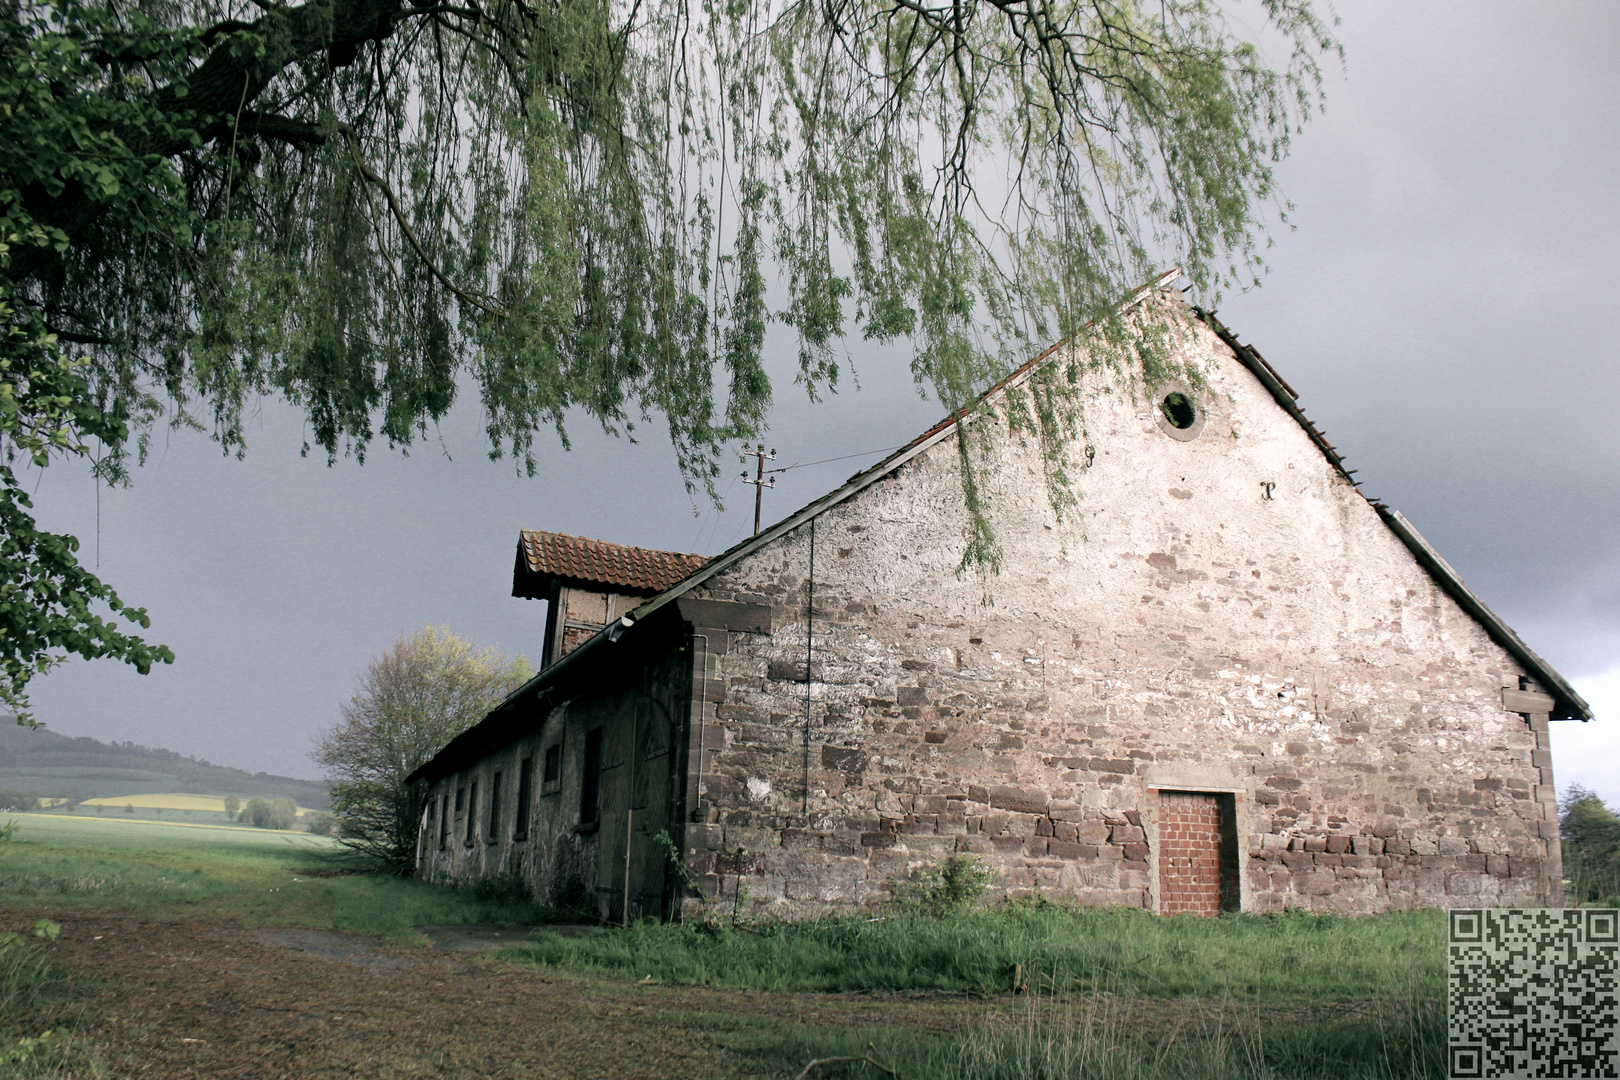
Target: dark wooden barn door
[
  {"x": 1197, "y": 853},
  {"x": 632, "y": 867},
  {"x": 618, "y": 744},
  {"x": 651, "y": 787}
]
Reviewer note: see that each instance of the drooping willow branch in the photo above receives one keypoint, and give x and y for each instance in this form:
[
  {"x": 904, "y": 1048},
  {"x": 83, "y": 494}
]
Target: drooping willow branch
[
  {"x": 645, "y": 186},
  {"x": 371, "y": 177}
]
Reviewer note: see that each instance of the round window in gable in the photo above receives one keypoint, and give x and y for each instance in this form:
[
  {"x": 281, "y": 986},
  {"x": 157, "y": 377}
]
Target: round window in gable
[{"x": 1180, "y": 415}]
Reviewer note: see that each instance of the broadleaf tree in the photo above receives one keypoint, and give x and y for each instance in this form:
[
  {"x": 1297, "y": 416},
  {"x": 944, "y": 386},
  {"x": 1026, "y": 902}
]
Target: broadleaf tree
[
  {"x": 429, "y": 687},
  {"x": 1590, "y": 831},
  {"x": 369, "y": 207}
]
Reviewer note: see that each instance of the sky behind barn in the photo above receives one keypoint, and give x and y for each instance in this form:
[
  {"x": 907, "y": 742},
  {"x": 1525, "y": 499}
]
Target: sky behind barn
[{"x": 1444, "y": 305}]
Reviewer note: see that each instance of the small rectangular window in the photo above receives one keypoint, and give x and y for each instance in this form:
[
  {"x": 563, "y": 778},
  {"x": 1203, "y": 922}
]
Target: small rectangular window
[
  {"x": 460, "y": 798},
  {"x": 551, "y": 779},
  {"x": 520, "y": 824},
  {"x": 494, "y": 807},
  {"x": 444, "y": 820},
  {"x": 591, "y": 781},
  {"x": 472, "y": 813}
]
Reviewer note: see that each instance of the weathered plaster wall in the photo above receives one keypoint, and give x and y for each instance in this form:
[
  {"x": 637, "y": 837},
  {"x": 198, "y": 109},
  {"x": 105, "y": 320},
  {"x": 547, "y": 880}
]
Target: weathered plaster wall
[
  {"x": 552, "y": 852},
  {"x": 1179, "y": 629}
]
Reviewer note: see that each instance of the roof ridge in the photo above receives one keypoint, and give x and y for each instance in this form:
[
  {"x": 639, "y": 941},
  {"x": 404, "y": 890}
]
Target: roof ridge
[{"x": 1285, "y": 396}]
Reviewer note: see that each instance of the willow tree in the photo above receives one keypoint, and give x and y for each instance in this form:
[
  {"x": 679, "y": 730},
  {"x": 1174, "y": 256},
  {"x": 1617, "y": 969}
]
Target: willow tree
[{"x": 582, "y": 206}]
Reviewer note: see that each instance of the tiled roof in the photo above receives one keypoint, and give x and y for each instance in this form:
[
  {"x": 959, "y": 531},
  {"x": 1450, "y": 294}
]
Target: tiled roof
[{"x": 575, "y": 558}]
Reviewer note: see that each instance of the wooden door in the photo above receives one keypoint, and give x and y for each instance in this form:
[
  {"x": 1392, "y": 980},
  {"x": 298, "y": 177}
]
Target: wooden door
[
  {"x": 632, "y": 863},
  {"x": 618, "y": 763},
  {"x": 650, "y": 868}
]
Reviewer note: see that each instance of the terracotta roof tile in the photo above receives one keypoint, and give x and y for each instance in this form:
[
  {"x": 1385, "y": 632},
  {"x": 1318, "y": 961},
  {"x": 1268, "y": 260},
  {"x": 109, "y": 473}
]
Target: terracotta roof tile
[{"x": 576, "y": 558}]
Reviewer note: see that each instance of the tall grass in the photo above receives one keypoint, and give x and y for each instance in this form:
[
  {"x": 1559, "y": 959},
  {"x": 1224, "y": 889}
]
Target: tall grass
[
  {"x": 29, "y": 988},
  {"x": 24, "y": 974},
  {"x": 1095, "y": 1035},
  {"x": 989, "y": 950}
]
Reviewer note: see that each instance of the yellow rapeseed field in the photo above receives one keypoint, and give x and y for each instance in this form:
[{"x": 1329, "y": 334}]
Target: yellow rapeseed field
[{"x": 171, "y": 801}]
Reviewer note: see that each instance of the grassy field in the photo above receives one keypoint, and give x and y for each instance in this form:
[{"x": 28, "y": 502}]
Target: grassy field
[
  {"x": 1100, "y": 994},
  {"x": 161, "y": 806},
  {"x": 247, "y": 874}
]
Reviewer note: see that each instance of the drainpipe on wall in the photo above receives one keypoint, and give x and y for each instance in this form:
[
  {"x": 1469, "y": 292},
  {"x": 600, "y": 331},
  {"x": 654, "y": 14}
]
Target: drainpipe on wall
[
  {"x": 703, "y": 717},
  {"x": 809, "y": 656}
]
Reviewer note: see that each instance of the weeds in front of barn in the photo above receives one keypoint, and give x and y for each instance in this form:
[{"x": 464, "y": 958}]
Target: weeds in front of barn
[
  {"x": 1098, "y": 1036},
  {"x": 1070, "y": 993},
  {"x": 1287, "y": 956}
]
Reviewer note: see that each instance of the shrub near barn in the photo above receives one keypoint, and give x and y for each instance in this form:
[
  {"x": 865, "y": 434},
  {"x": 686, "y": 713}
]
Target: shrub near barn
[{"x": 1591, "y": 836}]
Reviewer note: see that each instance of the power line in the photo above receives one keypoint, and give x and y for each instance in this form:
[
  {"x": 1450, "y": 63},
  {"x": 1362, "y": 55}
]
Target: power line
[{"x": 823, "y": 461}]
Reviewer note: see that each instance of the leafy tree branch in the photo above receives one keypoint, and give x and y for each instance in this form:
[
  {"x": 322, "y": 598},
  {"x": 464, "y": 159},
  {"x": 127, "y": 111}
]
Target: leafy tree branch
[{"x": 598, "y": 207}]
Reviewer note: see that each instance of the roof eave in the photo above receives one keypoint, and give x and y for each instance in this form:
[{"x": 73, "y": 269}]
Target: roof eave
[
  {"x": 1574, "y": 707},
  {"x": 536, "y": 685}
]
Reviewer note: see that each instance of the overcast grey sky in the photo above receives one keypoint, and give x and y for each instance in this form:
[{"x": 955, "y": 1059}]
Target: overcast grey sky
[{"x": 1444, "y": 304}]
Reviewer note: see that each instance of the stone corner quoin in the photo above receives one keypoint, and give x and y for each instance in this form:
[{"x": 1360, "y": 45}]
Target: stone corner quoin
[{"x": 1220, "y": 681}]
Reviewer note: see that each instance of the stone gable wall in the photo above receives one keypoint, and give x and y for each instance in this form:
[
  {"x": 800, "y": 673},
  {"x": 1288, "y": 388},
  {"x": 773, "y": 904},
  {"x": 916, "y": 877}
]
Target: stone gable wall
[{"x": 1178, "y": 630}]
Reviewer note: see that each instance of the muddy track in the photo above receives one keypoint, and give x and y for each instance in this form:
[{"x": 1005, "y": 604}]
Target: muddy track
[{"x": 176, "y": 998}]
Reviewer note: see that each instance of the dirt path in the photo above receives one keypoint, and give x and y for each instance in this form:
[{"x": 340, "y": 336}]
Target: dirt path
[
  {"x": 180, "y": 999},
  {"x": 196, "y": 999}
]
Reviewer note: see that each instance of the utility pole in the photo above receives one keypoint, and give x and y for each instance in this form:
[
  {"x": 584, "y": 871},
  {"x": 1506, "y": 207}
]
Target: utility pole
[{"x": 758, "y": 479}]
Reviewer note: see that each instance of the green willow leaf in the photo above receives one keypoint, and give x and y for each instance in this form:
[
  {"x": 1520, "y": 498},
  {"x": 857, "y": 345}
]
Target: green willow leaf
[{"x": 370, "y": 207}]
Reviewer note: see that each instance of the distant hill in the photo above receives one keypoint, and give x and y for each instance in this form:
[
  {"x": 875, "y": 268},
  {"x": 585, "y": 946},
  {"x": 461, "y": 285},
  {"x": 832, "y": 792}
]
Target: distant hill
[{"x": 40, "y": 762}]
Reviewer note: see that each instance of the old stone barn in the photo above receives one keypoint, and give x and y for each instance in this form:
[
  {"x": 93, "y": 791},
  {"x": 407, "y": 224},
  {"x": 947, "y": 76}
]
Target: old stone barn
[{"x": 1223, "y": 680}]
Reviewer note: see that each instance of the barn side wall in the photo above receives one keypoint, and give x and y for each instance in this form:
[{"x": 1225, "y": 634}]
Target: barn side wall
[
  {"x": 1225, "y": 614},
  {"x": 561, "y": 857}
]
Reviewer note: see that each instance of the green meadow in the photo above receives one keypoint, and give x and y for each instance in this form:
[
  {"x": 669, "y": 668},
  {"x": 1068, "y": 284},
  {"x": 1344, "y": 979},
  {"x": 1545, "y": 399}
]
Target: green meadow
[{"x": 250, "y": 875}]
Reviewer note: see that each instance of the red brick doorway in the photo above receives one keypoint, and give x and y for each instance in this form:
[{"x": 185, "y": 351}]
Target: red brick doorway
[{"x": 1197, "y": 853}]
